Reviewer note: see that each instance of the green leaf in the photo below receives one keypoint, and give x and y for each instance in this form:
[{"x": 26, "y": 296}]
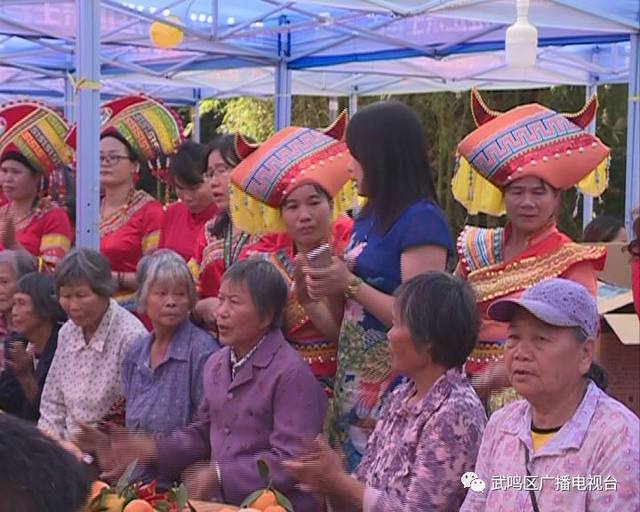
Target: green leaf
[
  {"x": 283, "y": 500},
  {"x": 251, "y": 498},
  {"x": 181, "y": 496},
  {"x": 162, "y": 506},
  {"x": 263, "y": 469},
  {"x": 126, "y": 477}
]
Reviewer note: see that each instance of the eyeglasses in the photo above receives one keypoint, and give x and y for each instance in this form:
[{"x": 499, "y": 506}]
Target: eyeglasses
[
  {"x": 111, "y": 160},
  {"x": 216, "y": 171}
]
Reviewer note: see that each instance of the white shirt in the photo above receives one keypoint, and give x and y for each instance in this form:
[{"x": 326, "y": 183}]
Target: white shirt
[{"x": 84, "y": 378}]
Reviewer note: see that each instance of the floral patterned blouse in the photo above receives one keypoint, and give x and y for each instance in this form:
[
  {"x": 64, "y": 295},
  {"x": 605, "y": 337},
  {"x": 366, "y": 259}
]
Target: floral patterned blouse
[
  {"x": 590, "y": 464},
  {"x": 417, "y": 453},
  {"x": 363, "y": 373}
]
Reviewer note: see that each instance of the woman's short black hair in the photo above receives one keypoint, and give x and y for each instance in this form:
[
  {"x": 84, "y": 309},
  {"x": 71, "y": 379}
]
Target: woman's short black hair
[
  {"x": 602, "y": 229},
  {"x": 42, "y": 290},
  {"x": 264, "y": 283},
  {"x": 19, "y": 157},
  {"x": 189, "y": 164},
  {"x": 441, "y": 314},
  {"x": 131, "y": 153},
  {"x": 37, "y": 473},
  {"x": 226, "y": 146},
  {"x": 388, "y": 141}
]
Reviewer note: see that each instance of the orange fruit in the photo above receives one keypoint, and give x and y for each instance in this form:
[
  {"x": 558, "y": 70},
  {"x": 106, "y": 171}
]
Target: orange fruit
[
  {"x": 275, "y": 508},
  {"x": 138, "y": 506},
  {"x": 96, "y": 487},
  {"x": 266, "y": 499}
]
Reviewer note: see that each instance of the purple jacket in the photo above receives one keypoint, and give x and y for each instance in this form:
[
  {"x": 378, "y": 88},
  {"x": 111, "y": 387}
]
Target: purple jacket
[{"x": 273, "y": 406}]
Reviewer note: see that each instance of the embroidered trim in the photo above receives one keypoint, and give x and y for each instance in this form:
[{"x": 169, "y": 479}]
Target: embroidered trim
[
  {"x": 490, "y": 283},
  {"x": 480, "y": 247},
  {"x": 120, "y": 217}
]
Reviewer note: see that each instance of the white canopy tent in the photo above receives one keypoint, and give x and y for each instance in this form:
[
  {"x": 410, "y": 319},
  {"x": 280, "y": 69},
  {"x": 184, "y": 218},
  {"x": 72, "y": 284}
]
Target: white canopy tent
[{"x": 51, "y": 48}]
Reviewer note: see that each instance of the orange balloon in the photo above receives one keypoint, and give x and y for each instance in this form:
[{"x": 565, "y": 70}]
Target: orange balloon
[{"x": 165, "y": 36}]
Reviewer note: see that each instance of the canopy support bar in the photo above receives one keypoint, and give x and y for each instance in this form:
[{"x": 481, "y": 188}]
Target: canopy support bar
[
  {"x": 88, "y": 115},
  {"x": 632, "y": 183}
]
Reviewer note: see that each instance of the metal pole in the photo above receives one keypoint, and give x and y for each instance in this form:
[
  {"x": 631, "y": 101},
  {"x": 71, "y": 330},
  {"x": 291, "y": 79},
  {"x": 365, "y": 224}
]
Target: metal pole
[
  {"x": 353, "y": 102},
  {"x": 88, "y": 122},
  {"x": 214, "y": 16},
  {"x": 69, "y": 101},
  {"x": 632, "y": 183},
  {"x": 333, "y": 108},
  {"x": 587, "y": 201},
  {"x": 283, "y": 96},
  {"x": 196, "y": 117}
]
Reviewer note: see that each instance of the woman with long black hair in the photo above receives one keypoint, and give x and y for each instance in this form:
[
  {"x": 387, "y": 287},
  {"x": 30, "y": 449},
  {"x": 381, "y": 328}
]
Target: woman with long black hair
[{"x": 400, "y": 233}]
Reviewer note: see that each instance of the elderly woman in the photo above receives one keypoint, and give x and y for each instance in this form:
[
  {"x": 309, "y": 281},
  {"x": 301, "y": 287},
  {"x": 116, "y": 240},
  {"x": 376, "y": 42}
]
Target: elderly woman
[
  {"x": 162, "y": 372},
  {"x": 36, "y": 319},
  {"x": 567, "y": 433},
  {"x": 431, "y": 424},
  {"x": 524, "y": 181},
  {"x": 261, "y": 400},
  {"x": 13, "y": 265},
  {"x": 84, "y": 380}
]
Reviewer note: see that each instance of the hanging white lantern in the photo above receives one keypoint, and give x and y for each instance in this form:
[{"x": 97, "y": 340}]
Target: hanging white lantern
[{"x": 521, "y": 43}]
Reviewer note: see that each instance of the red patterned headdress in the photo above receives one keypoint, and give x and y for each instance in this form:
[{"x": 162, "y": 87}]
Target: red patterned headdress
[
  {"x": 292, "y": 157},
  {"x": 35, "y": 131},
  {"x": 530, "y": 140},
  {"x": 153, "y": 130}
]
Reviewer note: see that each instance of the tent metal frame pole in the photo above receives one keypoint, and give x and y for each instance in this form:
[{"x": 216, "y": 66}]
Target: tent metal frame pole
[
  {"x": 590, "y": 90},
  {"x": 282, "y": 109},
  {"x": 88, "y": 124},
  {"x": 196, "y": 115},
  {"x": 632, "y": 178},
  {"x": 353, "y": 102},
  {"x": 69, "y": 102}
]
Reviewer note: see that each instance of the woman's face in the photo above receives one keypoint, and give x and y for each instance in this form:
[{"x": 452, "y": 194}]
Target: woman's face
[
  {"x": 357, "y": 174},
  {"x": 544, "y": 361},
  {"x": 82, "y": 304},
  {"x": 306, "y": 213},
  {"x": 7, "y": 287},
  {"x": 18, "y": 182},
  {"x": 219, "y": 172},
  {"x": 531, "y": 204},
  {"x": 23, "y": 318},
  {"x": 116, "y": 169},
  {"x": 239, "y": 324},
  {"x": 405, "y": 359},
  {"x": 195, "y": 197},
  {"x": 168, "y": 304}
]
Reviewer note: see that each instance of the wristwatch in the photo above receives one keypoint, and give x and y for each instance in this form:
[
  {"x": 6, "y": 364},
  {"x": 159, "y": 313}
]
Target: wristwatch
[{"x": 352, "y": 289}]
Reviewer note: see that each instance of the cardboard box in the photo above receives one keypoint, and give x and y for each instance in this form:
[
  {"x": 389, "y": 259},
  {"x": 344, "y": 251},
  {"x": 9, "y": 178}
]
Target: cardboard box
[{"x": 618, "y": 351}]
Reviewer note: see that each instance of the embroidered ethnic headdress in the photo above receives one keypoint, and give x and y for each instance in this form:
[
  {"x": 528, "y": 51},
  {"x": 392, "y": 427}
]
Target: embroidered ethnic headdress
[
  {"x": 529, "y": 140},
  {"x": 35, "y": 131},
  {"x": 153, "y": 130},
  {"x": 292, "y": 157}
]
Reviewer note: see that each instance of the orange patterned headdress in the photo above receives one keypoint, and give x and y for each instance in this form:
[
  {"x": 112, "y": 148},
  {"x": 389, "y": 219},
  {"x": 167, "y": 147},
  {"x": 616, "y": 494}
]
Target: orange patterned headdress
[
  {"x": 36, "y": 132},
  {"x": 153, "y": 130},
  {"x": 292, "y": 157},
  {"x": 530, "y": 140}
]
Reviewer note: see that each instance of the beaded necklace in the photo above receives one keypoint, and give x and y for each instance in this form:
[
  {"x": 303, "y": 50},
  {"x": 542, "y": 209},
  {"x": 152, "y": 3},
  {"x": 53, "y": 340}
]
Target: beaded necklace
[{"x": 232, "y": 253}]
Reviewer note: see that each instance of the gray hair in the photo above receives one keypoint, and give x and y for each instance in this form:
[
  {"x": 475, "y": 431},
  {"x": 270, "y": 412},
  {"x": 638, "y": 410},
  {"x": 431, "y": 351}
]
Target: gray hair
[
  {"x": 21, "y": 262},
  {"x": 265, "y": 285},
  {"x": 86, "y": 265},
  {"x": 163, "y": 265}
]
